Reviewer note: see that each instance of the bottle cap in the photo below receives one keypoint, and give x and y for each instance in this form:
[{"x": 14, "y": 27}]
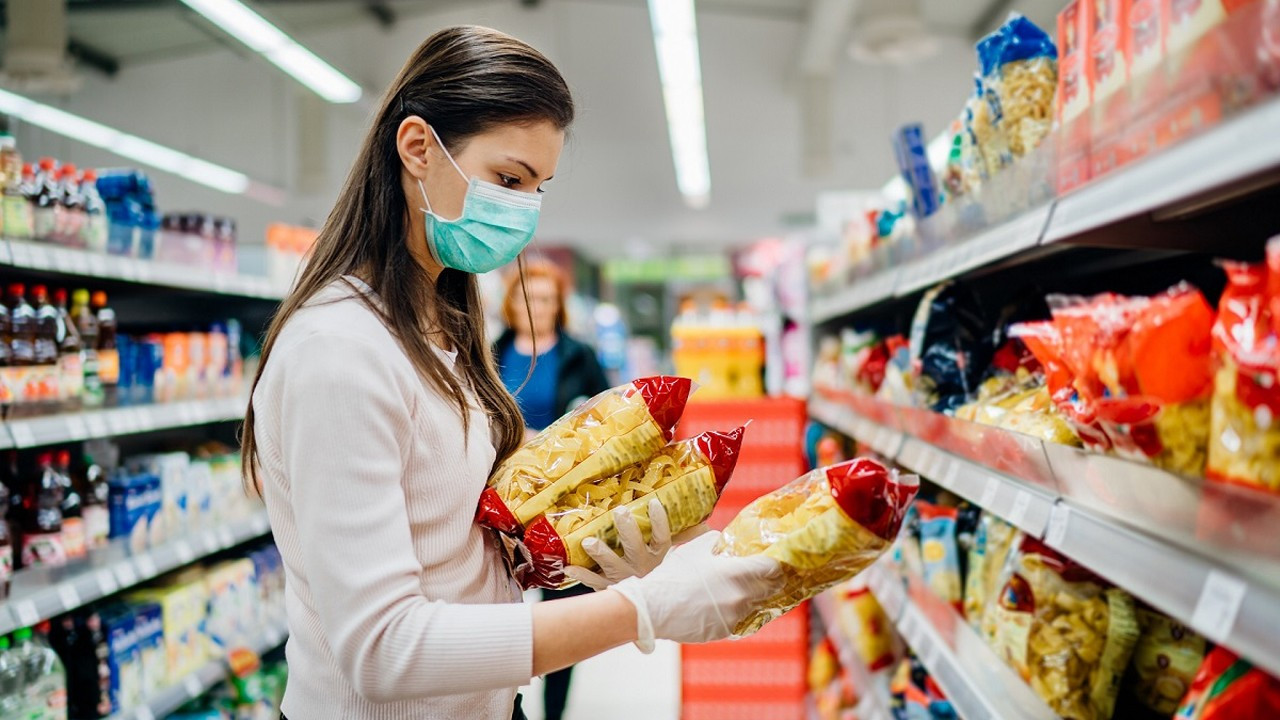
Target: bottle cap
[
  {"x": 80, "y": 297},
  {"x": 64, "y": 457},
  {"x": 40, "y": 292},
  {"x": 69, "y": 170},
  {"x": 22, "y": 634},
  {"x": 60, "y": 296},
  {"x": 46, "y": 458},
  {"x": 17, "y": 289},
  {"x": 48, "y": 163},
  {"x": 89, "y": 175},
  {"x": 99, "y": 298}
]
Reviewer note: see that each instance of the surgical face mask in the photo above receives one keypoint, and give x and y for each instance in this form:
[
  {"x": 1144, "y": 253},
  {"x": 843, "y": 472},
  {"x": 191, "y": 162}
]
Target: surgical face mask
[{"x": 496, "y": 224}]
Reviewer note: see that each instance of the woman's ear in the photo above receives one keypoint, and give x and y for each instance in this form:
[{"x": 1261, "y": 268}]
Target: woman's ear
[{"x": 413, "y": 141}]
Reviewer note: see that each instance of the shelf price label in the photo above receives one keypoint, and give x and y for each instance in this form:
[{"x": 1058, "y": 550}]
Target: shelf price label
[
  {"x": 1219, "y": 605},
  {"x": 68, "y": 596},
  {"x": 1056, "y": 534},
  {"x": 96, "y": 424},
  {"x": 225, "y": 538},
  {"x": 1021, "y": 504},
  {"x": 193, "y": 686},
  {"x": 143, "y": 713},
  {"x": 26, "y": 613},
  {"x": 125, "y": 573},
  {"x": 106, "y": 582},
  {"x": 184, "y": 552},
  {"x": 76, "y": 428},
  {"x": 23, "y": 436},
  {"x": 989, "y": 492},
  {"x": 147, "y": 566}
]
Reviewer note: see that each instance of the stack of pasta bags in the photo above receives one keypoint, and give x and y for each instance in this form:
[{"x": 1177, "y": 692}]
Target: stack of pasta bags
[
  {"x": 1086, "y": 647},
  {"x": 613, "y": 452}
]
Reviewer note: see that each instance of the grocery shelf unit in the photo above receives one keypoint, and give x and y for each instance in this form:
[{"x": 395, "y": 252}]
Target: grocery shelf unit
[
  {"x": 1207, "y": 554},
  {"x": 761, "y": 677},
  {"x": 872, "y": 687},
  {"x": 146, "y": 295}
]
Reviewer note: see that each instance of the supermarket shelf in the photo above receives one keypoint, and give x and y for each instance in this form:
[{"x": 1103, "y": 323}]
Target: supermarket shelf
[
  {"x": 44, "y": 257},
  {"x": 42, "y": 593},
  {"x": 1237, "y": 149},
  {"x": 996, "y": 243},
  {"x": 871, "y": 687},
  {"x": 168, "y": 701},
  {"x": 71, "y": 427},
  {"x": 979, "y": 685},
  {"x": 1200, "y": 552}
]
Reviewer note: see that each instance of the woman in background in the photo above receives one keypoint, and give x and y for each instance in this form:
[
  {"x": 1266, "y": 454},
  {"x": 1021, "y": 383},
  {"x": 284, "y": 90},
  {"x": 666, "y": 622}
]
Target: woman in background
[{"x": 565, "y": 374}]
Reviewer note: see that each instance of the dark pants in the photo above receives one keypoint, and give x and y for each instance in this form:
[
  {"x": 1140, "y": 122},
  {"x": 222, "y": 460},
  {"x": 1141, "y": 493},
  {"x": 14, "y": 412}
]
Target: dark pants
[{"x": 555, "y": 691}]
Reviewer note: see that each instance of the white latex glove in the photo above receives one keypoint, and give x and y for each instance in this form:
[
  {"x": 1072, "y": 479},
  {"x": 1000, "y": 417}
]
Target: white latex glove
[
  {"x": 696, "y": 596},
  {"x": 638, "y": 557}
]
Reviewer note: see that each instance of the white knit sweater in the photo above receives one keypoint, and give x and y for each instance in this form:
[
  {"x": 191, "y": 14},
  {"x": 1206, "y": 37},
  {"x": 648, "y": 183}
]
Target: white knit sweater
[{"x": 399, "y": 606}]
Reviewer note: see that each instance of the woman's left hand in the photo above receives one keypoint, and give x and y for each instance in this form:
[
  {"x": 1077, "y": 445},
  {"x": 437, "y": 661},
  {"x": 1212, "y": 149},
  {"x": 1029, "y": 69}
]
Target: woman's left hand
[{"x": 638, "y": 557}]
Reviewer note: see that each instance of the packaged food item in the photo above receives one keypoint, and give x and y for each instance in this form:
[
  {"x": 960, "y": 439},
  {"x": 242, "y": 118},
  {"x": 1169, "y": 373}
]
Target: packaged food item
[
  {"x": 616, "y": 428},
  {"x": 1074, "y": 92},
  {"x": 988, "y": 128},
  {"x": 940, "y": 552},
  {"x": 1165, "y": 661},
  {"x": 992, "y": 543},
  {"x": 685, "y": 477},
  {"x": 1244, "y": 439},
  {"x": 1229, "y": 688},
  {"x": 823, "y": 528},
  {"x": 866, "y": 622},
  {"x": 1108, "y": 58},
  {"x": 1065, "y": 631},
  {"x": 824, "y": 665},
  {"x": 1020, "y": 76},
  {"x": 950, "y": 346},
  {"x": 913, "y": 163},
  {"x": 1147, "y": 29}
]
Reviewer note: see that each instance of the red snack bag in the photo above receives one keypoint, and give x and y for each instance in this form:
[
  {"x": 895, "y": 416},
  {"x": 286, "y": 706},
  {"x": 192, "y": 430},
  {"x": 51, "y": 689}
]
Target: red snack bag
[
  {"x": 616, "y": 428},
  {"x": 1228, "y": 688}
]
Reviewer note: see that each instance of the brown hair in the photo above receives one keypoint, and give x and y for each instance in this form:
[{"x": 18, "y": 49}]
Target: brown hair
[
  {"x": 516, "y": 289},
  {"x": 463, "y": 81}
]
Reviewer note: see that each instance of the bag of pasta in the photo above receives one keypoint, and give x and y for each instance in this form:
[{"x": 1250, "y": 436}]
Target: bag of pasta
[
  {"x": 1244, "y": 438},
  {"x": 823, "y": 528},
  {"x": 685, "y": 477},
  {"x": 616, "y": 428},
  {"x": 1020, "y": 77},
  {"x": 1065, "y": 631},
  {"x": 991, "y": 545}
]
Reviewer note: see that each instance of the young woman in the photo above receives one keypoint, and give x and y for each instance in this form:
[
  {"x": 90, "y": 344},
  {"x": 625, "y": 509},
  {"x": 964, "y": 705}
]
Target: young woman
[{"x": 377, "y": 416}]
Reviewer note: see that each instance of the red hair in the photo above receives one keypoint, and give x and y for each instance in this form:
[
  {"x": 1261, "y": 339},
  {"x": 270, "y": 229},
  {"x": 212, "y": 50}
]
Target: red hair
[{"x": 536, "y": 269}]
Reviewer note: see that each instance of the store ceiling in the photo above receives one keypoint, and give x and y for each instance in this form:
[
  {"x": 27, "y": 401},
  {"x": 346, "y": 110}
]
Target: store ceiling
[{"x": 108, "y": 34}]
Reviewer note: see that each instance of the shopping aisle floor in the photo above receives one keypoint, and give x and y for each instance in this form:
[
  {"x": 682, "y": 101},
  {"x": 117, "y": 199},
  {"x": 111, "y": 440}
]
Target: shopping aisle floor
[{"x": 622, "y": 684}]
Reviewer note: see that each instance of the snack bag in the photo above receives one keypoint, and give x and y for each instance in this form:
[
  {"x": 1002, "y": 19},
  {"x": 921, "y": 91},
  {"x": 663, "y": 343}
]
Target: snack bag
[
  {"x": 1244, "y": 440},
  {"x": 1165, "y": 661},
  {"x": 616, "y": 428},
  {"x": 866, "y": 622},
  {"x": 939, "y": 551},
  {"x": 1229, "y": 688},
  {"x": 1067, "y": 633},
  {"x": 991, "y": 545},
  {"x": 686, "y": 477},
  {"x": 824, "y": 528}
]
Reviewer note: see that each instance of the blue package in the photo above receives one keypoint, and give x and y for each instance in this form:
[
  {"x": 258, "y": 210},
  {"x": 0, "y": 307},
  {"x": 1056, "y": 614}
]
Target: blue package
[
  {"x": 134, "y": 502},
  {"x": 149, "y": 637},
  {"x": 913, "y": 162},
  {"x": 123, "y": 658}
]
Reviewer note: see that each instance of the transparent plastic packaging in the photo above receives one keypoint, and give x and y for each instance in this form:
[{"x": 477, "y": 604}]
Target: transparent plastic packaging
[
  {"x": 616, "y": 428},
  {"x": 685, "y": 477},
  {"x": 1020, "y": 73},
  {"x": 823, "y": 528}
]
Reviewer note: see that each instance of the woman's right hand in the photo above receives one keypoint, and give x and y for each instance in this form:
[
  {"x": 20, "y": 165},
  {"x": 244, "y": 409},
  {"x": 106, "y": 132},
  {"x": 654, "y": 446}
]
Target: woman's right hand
[{"x": 697, "y": 596}]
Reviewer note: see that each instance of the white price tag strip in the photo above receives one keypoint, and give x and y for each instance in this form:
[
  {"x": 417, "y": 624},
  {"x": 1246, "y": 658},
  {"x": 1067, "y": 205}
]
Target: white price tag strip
[
  {"x": 210, "y": 541},
  {"x": 146, "y": 566},
  {"x": 225, "y": 538},
  {"x": 76, "y": 429},
  {"x": 1021, "y": 504},
  {"x": 184, "y": 551},
  {"x": 989, "y": 492},
  {"x": 97, "y": 426},
  {"x": 933, "y": 655},
  {"x": 107, "y": 582},
  {"x": 143, "y": 713},
  {"x": 23, "y": 437},
  {"x": 953, "y": 471},
  {"x": 1057, "y": 531},
  {"x": 26, "y": 613},
  {"x": 193, "y": 686},
  {"x": 1218, "y": 606},
  {"x": 125, "y": 573},
  {"x": 69, "y": 597}
]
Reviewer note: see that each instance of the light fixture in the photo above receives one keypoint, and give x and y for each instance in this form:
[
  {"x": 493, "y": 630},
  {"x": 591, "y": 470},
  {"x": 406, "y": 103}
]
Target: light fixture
[
  {"x": 123, "y": 144},
  {"x": 675, "y": 38},
  {"x": 260, "y": 36}
]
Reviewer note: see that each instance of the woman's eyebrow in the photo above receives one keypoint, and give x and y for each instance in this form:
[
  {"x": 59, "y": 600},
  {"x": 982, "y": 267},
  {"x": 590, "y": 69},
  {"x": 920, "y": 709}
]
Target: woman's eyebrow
[{"x": 532, "y": 173}]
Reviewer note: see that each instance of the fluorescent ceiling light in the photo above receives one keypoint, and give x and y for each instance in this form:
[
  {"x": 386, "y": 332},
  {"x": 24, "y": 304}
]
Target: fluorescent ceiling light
[
  {"x": 123, "y": 144},
  {"x": 275, "y": 45},
  {"x": 675, "y": 38}
]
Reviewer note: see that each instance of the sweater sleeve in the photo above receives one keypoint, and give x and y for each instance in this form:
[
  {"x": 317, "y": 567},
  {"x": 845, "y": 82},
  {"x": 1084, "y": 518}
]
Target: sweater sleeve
[{"x": 344, "y": 433}]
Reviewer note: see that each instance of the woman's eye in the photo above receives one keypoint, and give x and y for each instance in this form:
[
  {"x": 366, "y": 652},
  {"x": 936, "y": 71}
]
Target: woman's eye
[{"x": 508, "y": 180}]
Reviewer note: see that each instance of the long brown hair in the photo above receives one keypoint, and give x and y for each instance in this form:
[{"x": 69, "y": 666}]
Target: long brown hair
[{"x": 463, "y": 81}]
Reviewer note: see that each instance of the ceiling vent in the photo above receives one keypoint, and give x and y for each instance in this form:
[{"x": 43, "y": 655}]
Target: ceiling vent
[
  {"x": 891, "y": 32},
  {"x": 35, "y": 48}
]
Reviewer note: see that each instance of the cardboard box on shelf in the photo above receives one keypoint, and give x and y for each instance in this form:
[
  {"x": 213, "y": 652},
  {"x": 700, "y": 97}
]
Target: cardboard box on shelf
[{"x": 1074, "y": 93}]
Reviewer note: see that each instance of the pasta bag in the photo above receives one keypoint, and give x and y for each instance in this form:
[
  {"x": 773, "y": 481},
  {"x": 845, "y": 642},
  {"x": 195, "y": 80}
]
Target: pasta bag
[
  {"x": 610, "y": 431},
  {"x": 686, "y": 477},
  {"x": 823, "y": 528}
]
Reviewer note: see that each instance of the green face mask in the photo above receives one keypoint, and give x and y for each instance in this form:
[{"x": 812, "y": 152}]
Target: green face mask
[{"x": 496, "y": 224}]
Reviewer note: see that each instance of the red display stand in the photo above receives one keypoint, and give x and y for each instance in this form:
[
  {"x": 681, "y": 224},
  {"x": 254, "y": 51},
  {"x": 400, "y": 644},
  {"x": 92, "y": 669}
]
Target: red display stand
[{"x": 761, "y": 677}]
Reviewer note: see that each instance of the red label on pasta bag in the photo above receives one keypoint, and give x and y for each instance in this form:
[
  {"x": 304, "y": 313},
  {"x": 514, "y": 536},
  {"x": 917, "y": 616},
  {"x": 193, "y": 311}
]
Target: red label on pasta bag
[
  {"x": 665, "y": 397},
  {"x": 871, "y": 495},
  {"x": 547, "y": 555},
  {"x": 492, "y": 512},
  {"x": 721, "y": 450}
]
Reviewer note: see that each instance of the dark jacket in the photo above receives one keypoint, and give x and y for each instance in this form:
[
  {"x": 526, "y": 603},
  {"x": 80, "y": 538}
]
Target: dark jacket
[{"x": 580, "y": 376}]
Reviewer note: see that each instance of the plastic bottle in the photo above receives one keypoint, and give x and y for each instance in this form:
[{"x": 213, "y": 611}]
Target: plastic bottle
[
  {"x": 108, "y": 355},
  {"x": 6, "y": 545},
  {"x": 6, "y": 339},
  {"x": 17, "y": 507},
  {"x": 47, "y": 203},
  {"x": 87, "y": 325},
  {"x": 71, "y": 227},
  {"x": 45, "y": 674},
  {"x": 47, "y": 381},
  {"x": 42, "y": 542},
  {"x": 94, "y": 496},
  {"x": 12, "y": 681},
  {"x": 94, "y": 233},
  {"x": 74, "y": 533},
  {"x": 17, "y": 214},
  {"x": 23, "y": 322},
  {"x": 70, "y": 362}
]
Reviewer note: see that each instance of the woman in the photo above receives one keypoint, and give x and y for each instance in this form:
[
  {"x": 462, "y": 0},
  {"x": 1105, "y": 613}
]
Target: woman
[
  {"x": 377, "y": 416},
  {"x": 549, "y": 373}
]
